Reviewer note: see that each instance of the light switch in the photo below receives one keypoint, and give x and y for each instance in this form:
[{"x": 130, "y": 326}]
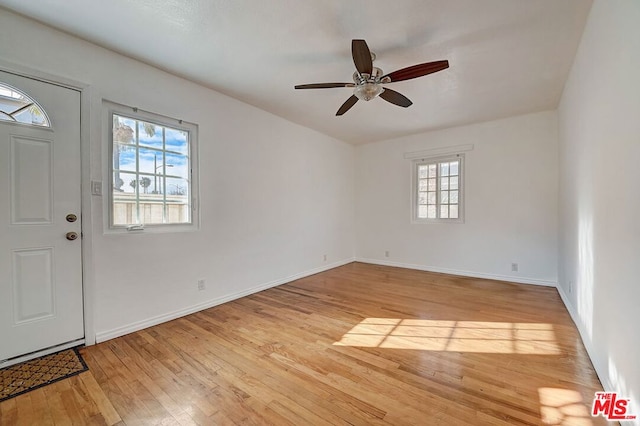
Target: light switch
[{"x": 96, "y": 187}]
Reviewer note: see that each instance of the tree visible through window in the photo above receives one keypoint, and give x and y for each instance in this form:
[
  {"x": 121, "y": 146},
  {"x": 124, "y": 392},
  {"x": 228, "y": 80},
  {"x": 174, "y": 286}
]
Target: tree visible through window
[
  {"x": 151, "y": 172},
  {"x": 438, "y": 189}
]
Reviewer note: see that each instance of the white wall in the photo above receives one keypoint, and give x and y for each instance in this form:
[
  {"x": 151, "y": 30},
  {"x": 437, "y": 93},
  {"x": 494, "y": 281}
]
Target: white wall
[
  {"x": 510, "y": 202},
  {"x": 275, "y": 197},
  {"x": 599, "y": 137}
]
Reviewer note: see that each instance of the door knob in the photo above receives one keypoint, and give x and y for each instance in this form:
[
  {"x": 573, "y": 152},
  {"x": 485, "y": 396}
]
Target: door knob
[{"x": 71, "y": 236}]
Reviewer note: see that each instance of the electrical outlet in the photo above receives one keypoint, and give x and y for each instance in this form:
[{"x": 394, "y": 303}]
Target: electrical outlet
[
  {"x": 570, "y": 286},
  {"x": 324, "y": 257},
  {"x": 386, "y": 253},
  {"x": 514, "y": 267},
  {"x": 201, "y": 285}
]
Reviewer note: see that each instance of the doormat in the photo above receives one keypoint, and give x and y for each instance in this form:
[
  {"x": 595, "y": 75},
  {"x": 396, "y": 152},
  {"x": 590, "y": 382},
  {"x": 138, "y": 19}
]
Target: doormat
[{"x": 29, "y": 375}]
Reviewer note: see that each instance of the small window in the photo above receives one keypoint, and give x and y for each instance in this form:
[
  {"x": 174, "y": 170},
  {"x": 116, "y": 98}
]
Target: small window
[
  {"x": 438, "y": 189},
  {"x": 152, "y": 179},
  {"x": 17, "y": 107}
]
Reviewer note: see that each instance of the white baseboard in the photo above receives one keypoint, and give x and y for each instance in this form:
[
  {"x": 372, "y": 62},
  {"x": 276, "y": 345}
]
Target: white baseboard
[
  {"x": 607, "y": 384},
  {"x": 472, "y": 274},
  {"x": 139, "y": 325}
]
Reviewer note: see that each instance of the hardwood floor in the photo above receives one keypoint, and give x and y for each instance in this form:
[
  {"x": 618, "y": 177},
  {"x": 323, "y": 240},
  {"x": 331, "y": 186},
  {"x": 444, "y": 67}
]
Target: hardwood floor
[{"x": 360, "y": 344}]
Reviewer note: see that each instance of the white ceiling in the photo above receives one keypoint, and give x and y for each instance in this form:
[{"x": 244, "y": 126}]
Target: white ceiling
[{"x": 506, "y": 57}]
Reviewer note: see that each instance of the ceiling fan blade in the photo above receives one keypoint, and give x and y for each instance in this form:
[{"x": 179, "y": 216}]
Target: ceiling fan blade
[
  {"x": 417, "y": 70},
  {"x": 322, "y": 85},
  {"x": 347, "y": 105},
  {"x": 395, "y": 98},
  {"x": 361, "y": 56}
]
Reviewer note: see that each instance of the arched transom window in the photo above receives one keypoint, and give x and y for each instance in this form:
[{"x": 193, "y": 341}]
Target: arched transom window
[{"x": 17, "y": 107}]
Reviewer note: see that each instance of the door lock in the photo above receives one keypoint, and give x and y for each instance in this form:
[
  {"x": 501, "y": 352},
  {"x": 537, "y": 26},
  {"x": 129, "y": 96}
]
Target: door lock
[
  {"x": 71, "y": 236},
  {"x": 71, "y": 217}
]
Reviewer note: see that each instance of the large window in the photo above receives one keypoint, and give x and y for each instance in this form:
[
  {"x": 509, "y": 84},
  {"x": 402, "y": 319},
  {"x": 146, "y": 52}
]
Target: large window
[
  {"x": 152, "y": 179},
  {"x": 438, "y": 190}
]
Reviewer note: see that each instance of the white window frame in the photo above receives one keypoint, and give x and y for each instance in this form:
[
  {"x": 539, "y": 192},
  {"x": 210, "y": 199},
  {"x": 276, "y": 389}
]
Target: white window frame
[
  {"x": 414, "y": 189},
  {"x": 110, "y": 109}
]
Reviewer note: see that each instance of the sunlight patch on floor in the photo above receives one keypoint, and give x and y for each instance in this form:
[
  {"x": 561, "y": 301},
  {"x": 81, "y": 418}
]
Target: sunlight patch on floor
[
  {"x": 453, "y": 336},
  {"x": 563, "y": 407}
]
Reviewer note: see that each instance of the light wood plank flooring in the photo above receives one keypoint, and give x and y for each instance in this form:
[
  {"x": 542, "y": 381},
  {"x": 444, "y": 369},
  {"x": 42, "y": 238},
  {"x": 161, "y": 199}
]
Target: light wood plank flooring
[{"x": 360, "y": 344}]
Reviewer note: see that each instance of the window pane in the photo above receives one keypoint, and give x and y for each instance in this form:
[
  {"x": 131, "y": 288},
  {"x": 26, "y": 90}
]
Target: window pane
[
  {"x": 178, "y": 213},
  {"x": 423, "y": 171},
  {"x": 144, "y": 183},
  {"x": 444, "y": 169},
  {"x": 431, "y": 197},
  {"x": 121, "y": 182},
  {"x": 177, "y": 165},
  {"x": 453, "y": 167},
  {"x": 431, "y": 212},
  {"x": 444, "y": 197},
  {"x": 432, "y": 185},
  {"x": 16, "y": 106},
  {"x": 123, "y": 129},
  {"x": 124, "y": 157},
  {"x": 32, "y": 115},
  {"x": 150, "y": 161},
  {"x": 444, "y": 183},
  {"x": 422, "y": 198},
  {"x": 453, "y": 182},
  {"x": 124, "y": 210},
  {"x": 128, "y": 183},
  {"x": 134, "y": 184},
  {"x": 444, "y": 212},
  {"x": 177, "y": 188},
  {"x": 154, "y": 190},
  {"x": 453, "y": 212},
  {"x": 177, "y": 141},
  {"x": 422, "y": 212},
  {"x": 422, "y": 185},
  {"x": 150, "y": 134},
  {"x": 151, "y": 211},
  {"x": 118, "y": 182},
  {"x": 453, "y": 197},
  {"x": 432, "y": 170}
]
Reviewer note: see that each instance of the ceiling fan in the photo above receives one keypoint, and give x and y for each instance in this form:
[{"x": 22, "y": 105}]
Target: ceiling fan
[{"x": 368, "y": 80}]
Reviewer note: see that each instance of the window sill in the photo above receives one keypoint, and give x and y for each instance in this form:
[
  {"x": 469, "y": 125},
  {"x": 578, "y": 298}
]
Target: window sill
[
  {"x": 152, "y": 229},
  {"x": 436, "y": 221}
]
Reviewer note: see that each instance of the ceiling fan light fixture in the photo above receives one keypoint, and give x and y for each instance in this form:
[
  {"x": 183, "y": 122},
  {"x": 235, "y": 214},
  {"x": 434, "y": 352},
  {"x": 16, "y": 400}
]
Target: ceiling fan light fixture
[{"x": 368, "y": 91}]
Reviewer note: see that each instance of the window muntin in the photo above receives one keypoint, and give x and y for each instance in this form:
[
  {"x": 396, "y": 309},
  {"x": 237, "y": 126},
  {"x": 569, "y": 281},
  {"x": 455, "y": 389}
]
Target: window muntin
[
  {"x": 438, "y": 189},
  {"x": 17, "y": 107},
  {"x": 151, "y": 171}
]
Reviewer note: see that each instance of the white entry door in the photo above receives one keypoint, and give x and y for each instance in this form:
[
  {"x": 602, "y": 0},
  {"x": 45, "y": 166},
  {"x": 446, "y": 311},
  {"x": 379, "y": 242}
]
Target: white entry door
[{"x": 40, "y": 261}]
